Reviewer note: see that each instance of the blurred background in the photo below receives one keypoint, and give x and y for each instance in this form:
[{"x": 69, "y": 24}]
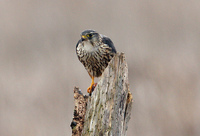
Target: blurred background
[{"x": 39, "y": 67}]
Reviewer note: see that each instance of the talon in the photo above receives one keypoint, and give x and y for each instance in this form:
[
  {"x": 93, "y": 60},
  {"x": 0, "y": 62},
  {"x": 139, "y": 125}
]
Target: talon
[
  {"x": 89, "y": 90},
  {"x": 92, "y": 86}
]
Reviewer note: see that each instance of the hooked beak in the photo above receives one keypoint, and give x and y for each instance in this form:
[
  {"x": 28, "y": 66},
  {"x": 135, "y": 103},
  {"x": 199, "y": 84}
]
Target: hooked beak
[{"x": 83, "y": 37}]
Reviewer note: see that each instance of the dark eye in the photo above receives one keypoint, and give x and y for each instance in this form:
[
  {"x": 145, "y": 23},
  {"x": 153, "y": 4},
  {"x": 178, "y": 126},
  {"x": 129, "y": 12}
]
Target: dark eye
[{"x": 89, "y": 35}]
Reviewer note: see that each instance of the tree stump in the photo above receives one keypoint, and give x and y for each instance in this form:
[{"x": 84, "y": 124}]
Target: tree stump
[{"x": 107, "y": 111}]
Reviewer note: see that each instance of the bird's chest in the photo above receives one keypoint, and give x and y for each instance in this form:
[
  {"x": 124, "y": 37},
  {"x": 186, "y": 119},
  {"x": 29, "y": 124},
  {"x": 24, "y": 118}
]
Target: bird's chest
[
  {"x": 87, "y": 53},
  {"x": 94, "y": 60},
  {"x": 94, "y": 63},
  {"x": 90, "y": 59}
]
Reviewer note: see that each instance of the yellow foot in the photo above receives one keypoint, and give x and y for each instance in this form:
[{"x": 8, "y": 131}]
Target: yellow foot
[{"x": 91, "y": 88}]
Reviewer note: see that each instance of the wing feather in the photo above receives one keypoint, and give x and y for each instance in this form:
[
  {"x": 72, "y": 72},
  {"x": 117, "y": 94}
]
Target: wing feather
[{"x": 107, "y": 41}]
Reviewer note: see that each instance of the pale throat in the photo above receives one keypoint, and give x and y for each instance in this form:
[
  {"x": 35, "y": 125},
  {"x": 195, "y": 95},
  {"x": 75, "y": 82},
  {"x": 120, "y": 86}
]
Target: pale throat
[{"x": 89, "y": 47}]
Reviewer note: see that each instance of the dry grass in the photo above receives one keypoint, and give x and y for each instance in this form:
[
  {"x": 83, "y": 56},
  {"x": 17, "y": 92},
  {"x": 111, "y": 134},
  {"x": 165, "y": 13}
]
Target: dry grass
[{"x": 39, "y": 67}]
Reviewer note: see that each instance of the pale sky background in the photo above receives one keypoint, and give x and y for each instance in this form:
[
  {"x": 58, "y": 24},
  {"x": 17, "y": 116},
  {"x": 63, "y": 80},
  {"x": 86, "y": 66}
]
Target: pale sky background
[{"x": 39, "y": 67}]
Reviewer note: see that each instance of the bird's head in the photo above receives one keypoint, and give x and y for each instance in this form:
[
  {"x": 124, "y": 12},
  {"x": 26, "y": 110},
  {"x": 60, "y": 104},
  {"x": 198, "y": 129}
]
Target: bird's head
[{"x": 91, "y": 36}]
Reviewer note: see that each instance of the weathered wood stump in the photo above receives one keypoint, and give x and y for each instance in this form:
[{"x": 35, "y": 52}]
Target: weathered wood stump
[{"x": 107, "y": 111}]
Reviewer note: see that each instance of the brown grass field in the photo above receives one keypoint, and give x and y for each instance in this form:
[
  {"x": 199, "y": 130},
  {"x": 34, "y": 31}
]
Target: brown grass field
[{"x": 39, "y": 67}]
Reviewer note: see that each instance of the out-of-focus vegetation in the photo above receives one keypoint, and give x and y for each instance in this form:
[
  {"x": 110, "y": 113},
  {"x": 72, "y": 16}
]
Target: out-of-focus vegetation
[{"x": 39, "y": 67}]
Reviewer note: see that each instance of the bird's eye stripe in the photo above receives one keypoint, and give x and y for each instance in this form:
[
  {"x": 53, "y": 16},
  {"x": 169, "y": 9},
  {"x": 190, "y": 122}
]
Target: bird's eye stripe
[{"x": 89, "y": 35}]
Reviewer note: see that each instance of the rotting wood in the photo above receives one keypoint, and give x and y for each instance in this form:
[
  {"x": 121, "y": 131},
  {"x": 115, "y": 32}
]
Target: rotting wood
[{"x": 109, "y": 107}]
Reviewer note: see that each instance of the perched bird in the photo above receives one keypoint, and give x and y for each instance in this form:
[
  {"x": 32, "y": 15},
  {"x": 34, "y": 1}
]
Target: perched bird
[{"x": 94, "y": 51}]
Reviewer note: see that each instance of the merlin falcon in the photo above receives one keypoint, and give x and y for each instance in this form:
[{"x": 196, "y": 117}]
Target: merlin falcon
[{"x": 94, "y": 51}]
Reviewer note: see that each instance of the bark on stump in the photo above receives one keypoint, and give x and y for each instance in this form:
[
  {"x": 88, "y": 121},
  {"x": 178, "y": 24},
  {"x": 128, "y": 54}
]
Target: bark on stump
[{"x": 107, "y": 111}]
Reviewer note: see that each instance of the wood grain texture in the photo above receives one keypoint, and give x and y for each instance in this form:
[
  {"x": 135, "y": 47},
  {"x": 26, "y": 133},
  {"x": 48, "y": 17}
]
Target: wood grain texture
[
  {"x": 109, "y": 107},
  {"x": 80, "y": 102}
]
